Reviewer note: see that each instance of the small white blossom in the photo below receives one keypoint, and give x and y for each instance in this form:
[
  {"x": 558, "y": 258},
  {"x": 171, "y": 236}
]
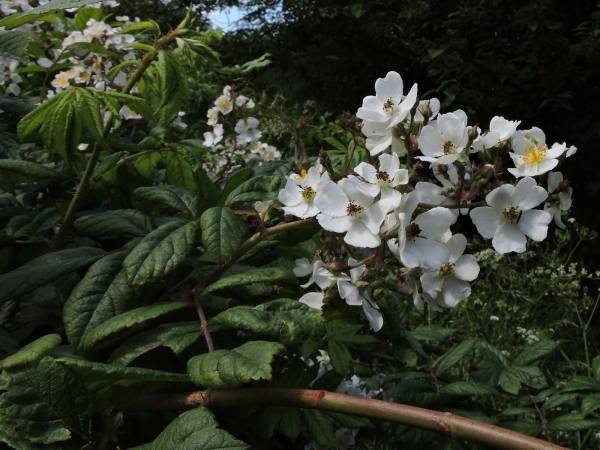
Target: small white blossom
[
  {"x": 213, "y": 137},
  {"x": 531, "y": 156},
  {"x": 442, "y": 141},
  {"x": 386, "y": 178},
  {"x": 299, "y": 200},
  {"x": 248, "y": 129},
  {"x": 555, "y": 205}
]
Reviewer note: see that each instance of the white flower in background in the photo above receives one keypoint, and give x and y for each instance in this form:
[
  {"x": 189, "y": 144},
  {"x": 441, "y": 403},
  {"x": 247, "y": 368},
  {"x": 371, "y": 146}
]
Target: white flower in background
[
  {"x": 242, "y": 101},
  {"x": 268, "y": 152},
  {"x": 44, "y": 62},
  {"x": 120, "y": 79},
  {"x": 353, "y": 297},
  {"x": 73, "y": 38},
  {"x": 213, "y": 116},
  {"x": 129, "y": 114},
  {"x": 450, "y": 283},
  {"x": 531, "y": 156},
  {"x": 558, "y": 202},
  {"x": 500, "y": 131},
  {"x": 349, "y": 208},
  {"x": 510, "y": 216},
  {"x": 429, "y": 107},
  {"x": 224, "y": 104},
  {"x": 420, "y": 243},
  {"x": 388, "y": 105},
  {"x": 213, "y": 137},
  {"x": 84, "y": 76},
  {"x": 61, "y": 80},
  {"x": 96, "y": 30},
  {"x": 443, "y": 140},
  {"x": 178, "y": 122},
  {"x": 120, "y": 40},
  {"x": 248, "y": 129},
  {"x": 299, "y": 200},
  {"x": 389, "y": 176}
]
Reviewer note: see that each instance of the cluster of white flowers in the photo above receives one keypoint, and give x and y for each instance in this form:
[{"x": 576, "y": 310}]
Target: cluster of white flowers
[
  {"x": 376, "y": 203},
  {"x": 228, "y": 154},
  {"x": 9, "y": 77},
  {"x": 530, "y": 336}
]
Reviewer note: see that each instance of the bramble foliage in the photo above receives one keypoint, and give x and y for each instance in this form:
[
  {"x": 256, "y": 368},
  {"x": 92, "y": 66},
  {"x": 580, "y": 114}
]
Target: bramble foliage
[{"x": 165, "y": 230}]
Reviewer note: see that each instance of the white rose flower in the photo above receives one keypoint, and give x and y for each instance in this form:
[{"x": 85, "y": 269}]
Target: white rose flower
[
  {"x": 510, "y": 216},
  {"x": 389, "y": 176},
  {"x": 213, "y": 116},
  {"x": 531, "y": 156},
  {"x": 248, "y": 129},
  {"x": 443, "y": 140},
  {"x": 224, "y": 104},
  {"x": 242, "y": 101},
  {"x": 556, "y": 205},
  {"x": 213, "y": 137},
  {"x": 500, "y": 131},
  {"x": 299, "y": 199}
]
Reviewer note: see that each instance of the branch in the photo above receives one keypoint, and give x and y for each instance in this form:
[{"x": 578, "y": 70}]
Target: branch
[
  {"x": 451, "y": 425},
  {"x": 203, "y": 323}
]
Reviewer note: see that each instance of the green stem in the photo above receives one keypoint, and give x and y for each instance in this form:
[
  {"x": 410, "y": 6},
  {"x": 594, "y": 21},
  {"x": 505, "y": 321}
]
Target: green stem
[{"x": 456, "y": 427}]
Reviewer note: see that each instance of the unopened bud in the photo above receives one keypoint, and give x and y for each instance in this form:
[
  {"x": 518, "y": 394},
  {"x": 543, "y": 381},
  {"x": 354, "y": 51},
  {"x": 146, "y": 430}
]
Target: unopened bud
[
  {"x": 473, "y": 133},
  {"x": 336, "y": 267},
  {"x": 426, "y": 112},
  {"x": 412, "y": 144}
]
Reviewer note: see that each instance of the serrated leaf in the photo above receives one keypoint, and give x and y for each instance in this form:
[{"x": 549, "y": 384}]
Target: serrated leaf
[
  {"x": 234, "y": 181},
  {"x": 232, "y": 368},
  {"x": 146, "y": 164},
  {"x": 120, "y": 325},
  {"x": 137, "y": 104},
  {"x": 572, "y": 422},
  {"x": 581, "y": 383},
  {"x": 160, "y": 252},
  {"x": 517, "y": 411},
  {"x": 31, "y": 353},
  {"x": 42, "y": 271},
  {"x": 260, "y": 275},
  {"x": 557, "y": 400},
  {"x": 137, "y": 27},
  {"x": 38, "y": 13},
  {"x": 172, "y": 197},
  {"x": 222, "y": 233},
  {"x": 468, "y": 388},
  {"x": 348, "y": 421},
  {"x": 195, "y": 429},
  {"x": 172, "y": 79},
  {"x": 431, "y": 333},
  {"x": 341, "y": 359},
  {"x": 121, "y": 222},
  {"x": 320, "y": 427},
  {"x": 89, "y": 109},
  {"x": 13, "y": 44},
  {"x": 453, "y": 356},
  {"x": 534, "y": 352},
  {"x": 255, "y": 189},
  {"x": 415, "y": 393},
  {"x": 510, "y": 379},
  {"x": 176, "y": 336},
  {"x": 35, "y": 119},
  {"x": 102, "y": 294},
  {"x": 85, "y": 14},
  {"x": 19, "y": 171},
  {"x": 288, "y": 321},
  {"x": 291, "y": 423},
  {"x": 590, "y": 403},
  {"x": 179, "y": 171},
  {"x": 529, "y": 428},
  {"x": 107, "y": 164}
]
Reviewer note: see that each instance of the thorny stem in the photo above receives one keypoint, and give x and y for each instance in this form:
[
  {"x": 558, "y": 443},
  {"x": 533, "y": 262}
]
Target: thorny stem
[
  {"x": 203, "y": 322},
  {"x": 451, "y": 425},
  {"x": 84, "y": 183}
]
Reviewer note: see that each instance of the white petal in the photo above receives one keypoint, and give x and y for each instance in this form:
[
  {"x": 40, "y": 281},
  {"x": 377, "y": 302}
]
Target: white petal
[
  {"x": 335, "y": 224},
  {"x": 313, "y": 299},
  {"x": 377, "y": 144},
  {"x": 466, "y": 268},
  {"x": 509, "y": 238},
  {"x": 374, "y": 215},
  {"x": 390, "y": 87},
  {"x": 452, "y": 128},
  {"x": 409, "y": 203},
  {"x": 426, "y": 253},
  {"x": 373, "y": 316},
  {"x": 400, "y": 176},
  {"x": 430, "y": 193},
  {"x": 487, "y": 220},
  {"x": 534, "y": 223},
  {"x": 435, "y": 223},
  {"x": 300, "y": 210},
  {"x": 291, "y": 194},
  {"x": 388, "y": 163},
  {"x": 367, "y": 171},
  {"x": 554, "y": 179},
  {"x": 359, "y": 236},
  {"x": 349, "y": 293},
  {"x": 331, "y": 200},
  {"x": 372, "y": 110},
  {"x": 500, "y": 197},
  {"x": 454, "y": 291},
  {"x": 528, "y": 194},
  {"x": 391, "y": 198},
  {"x": 432, "y": 282},
  {"x": 358, "y": 191},
  {"x": 431, "y": 142},
  {"x": 456, "y": 246},
  {"x": 303, "y": 267},
  {"x": 556, "y": 150}
]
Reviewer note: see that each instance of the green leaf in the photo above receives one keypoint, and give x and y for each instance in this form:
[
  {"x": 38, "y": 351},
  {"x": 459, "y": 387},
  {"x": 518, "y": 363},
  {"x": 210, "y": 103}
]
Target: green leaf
[
  {"x": 596, "y": 367},
  {"x": 172, "y": 79},
  {"x": 89, "y": 108},
  {"x": 341, "y": 359},
  {"x": 179, "y": 171},
  {"x": 580, "y": 383},
  {"x": 173, "y": 197},
  {"x": 529, "y": 428},
  {"x": 510, "y": 379},
  {"x": 222, "y": 233},
  {"x": 453, "y": 356},
  {"x": 468, "y": 388},
  {"x": 357, "y": 339},
  {"x": 320, "y": 427},
  {"x": 42, "y": 271},
  {"x": 336, "y": 144},
  {"x": 61, "y": 131},
  {"x": 232, "y": 368},
  {"x": 13, "y": 44},
  {"x": 260, "y": 275},
  {"x": 534, "y": 352},
  {"x": 137, "y": 104},
  {"x": 160, "y": 252},
  {"x": 102, "y": 294},
  {"x": 35, "y": 119},
  {"x": 141, "y": 27},
  {"x": 590, "y": 403},
  {"x": 136, "y": 319},
  {"x": 176, "y": 336},
  {"x": 107, "y": 164},
  {"x": 255, "y": 189},
  {"x": 40, "y": 12},
  {"x": 431, "y": 333},
  {"x": 234, "y": 181},
  {"x": 19, "y": 171},
  {"x": 197, "y": 430},
  {"x": 31, "y": 353},
  {"x": 572, "y": 422},
  {"x": 348, "y": 421},
  {"x": 291, "y": 423},
  {"x": 557, "y": 400},
  {"x": 288, "y": 321},
  {"x": 121, "y": 222},
  {"x": 146, "y": 164},
  {"x": 415, "y": 393},
  {"x": 85, "y": 14}
]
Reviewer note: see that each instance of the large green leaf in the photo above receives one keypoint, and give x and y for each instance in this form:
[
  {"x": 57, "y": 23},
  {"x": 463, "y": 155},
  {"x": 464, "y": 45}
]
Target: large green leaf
[
  {"x": 453, "y": 356},
  {"x": 173, "y": 84},
  {"x": 173, "y": 197},
  {"x": 534, "y": 352},
  {"x": 133, "y": 321},
  {"x": 13, "y": 44},
  {"x": 32, "y": 352},
  {"x": 42, "y": 271},
  {"x": 341, "y": 359},
  {"x": 105, "y": 166},
  {"x": 590, "y": 403},
  {"x": 234, "y": 181},
  {"x": 160, "y": 252},
  {"x": 285, "y": 320},
  {"x": 102, "y": 294},
  {"x": 40, "y": 12},
  {"x": 121, "y": 222},
  {"x": 232, "y": 368},
  {"x": 572, "y": 422},
  {"x": 261, "y": 275},
  {"x": 468, "y": 388},
  {"x": 146, "y": 164},
  {"x": 176, "y": 336},
  {"x": 197, "y": 430},
  {"x": 179, "y": 171},
  {"x": 222, "y": 233},
  {"x": 257, "y": 189},
  {"x": 320, "y": 427}
]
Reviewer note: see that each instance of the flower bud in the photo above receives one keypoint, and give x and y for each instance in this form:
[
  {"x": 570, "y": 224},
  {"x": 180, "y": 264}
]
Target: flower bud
[
  {"x": 473, "y": 133},
  {"x": 336, "y": 267}
]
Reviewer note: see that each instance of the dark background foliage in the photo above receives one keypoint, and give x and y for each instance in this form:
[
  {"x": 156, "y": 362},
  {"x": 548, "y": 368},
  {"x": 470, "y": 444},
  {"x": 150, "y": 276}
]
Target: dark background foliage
[{"x": 533, "y": 60}]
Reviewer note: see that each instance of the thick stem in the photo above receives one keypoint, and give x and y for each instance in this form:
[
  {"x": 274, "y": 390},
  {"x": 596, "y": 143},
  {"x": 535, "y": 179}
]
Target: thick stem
[
  {"x": 454, "y": 426},
  {"x": 203, "y": 322}
]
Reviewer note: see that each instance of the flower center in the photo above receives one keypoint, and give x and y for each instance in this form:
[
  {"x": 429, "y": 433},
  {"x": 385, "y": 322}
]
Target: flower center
[
  {"x": 389, "y": 106},
  {"x": 383, "y": 178},
  {"x": 412, "y": 230},
  {"x": 308, "y": 194},
  {"x": 447, "y": 270},
  {"x": 224, "y": 104},
  {"x": 353, "y": 210},
  {"x": 511, "y": 214},
  {"x": 449, "y": 148},
  {"x": 535, "y": 154},
  {"x": 249, "y": 129}
]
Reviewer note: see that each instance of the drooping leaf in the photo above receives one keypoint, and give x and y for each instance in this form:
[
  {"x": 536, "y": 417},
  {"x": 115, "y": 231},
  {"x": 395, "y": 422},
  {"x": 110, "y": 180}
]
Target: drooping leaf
[
  {"x": 160, "y": 252},
  {"x": 348, "y": 421},
  {"x": 176, "y": 336},
  {"x": 572, "y": 422},
  {"x": 107, "y": 164},
  {"x": 320, "y": 427},
  {"x": 136, "y": 104},
  {"x": 173, "y": 83},
  {"x": 285, "y": 320},
  {"x": 260, "y": 275},
  {"x": 234, "y": 181},
  {"x": 31, "y": 353},
  {"x": 291, "y": 423},
  {"x": 232, "y": 368},
  {"x": 179, "y": 171},
  {"x": 340, "y": 357},
  {"x": 415, "y": 393},
  {"x": 557, "y": 400},
  {"x": 534, "y": 352},
  {"x": 89, "y": 108},
  {"x": 13, "y": 44},
  {"x": 255, "y": 189},
  {"x": 195, "y": 429},
  {"x": 146, "y": 164},
  {"x": 453, "y": 356},
  {"x": 173, "y": 197},
  {"x": 581, "y": 383},
  {"x": 468, "y": 388},
  {"x": 120, "y": 222},
  {"x": 222, "y": 233},
  {"x": 590, "y": 403},
  {"x": 134, "y": 320},
  {"x": 431, "y": 333}
]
